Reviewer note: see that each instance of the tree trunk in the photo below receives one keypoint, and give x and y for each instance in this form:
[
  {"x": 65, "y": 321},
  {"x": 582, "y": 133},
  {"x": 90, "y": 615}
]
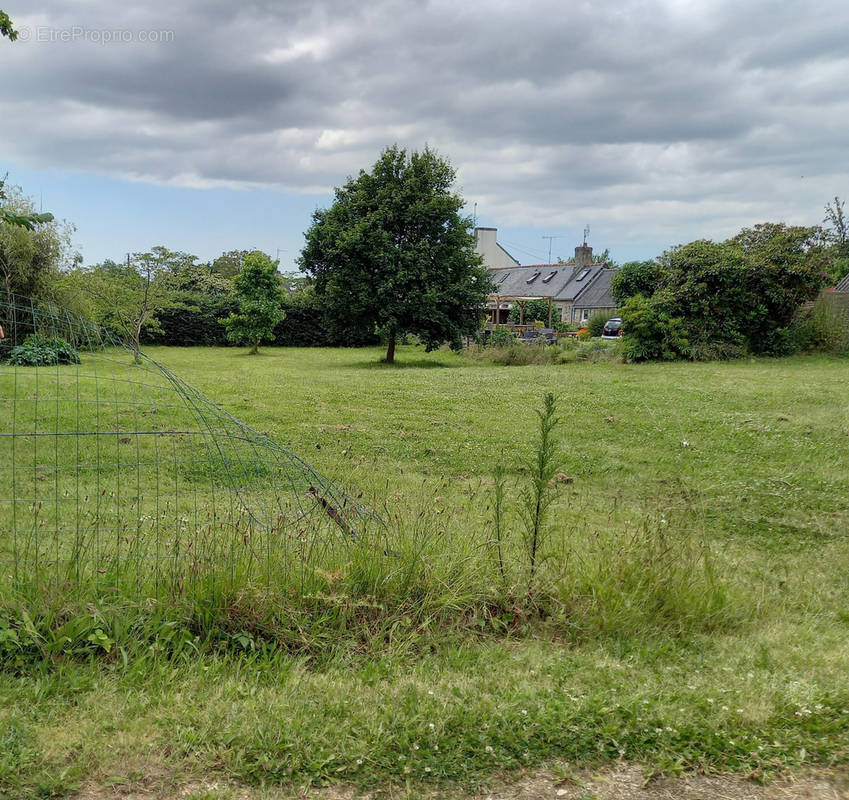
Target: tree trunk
[
  {"x": 390, "y": 349},
  {"x": 137, "y": 346},
  {"x": 255, "y": 349}
]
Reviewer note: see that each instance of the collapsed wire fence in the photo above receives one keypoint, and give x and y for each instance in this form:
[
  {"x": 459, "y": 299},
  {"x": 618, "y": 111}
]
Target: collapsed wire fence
[{"x": 117, "y": 476}]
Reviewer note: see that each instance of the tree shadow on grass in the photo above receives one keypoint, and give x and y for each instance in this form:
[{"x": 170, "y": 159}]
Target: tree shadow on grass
[{"x": 414, "y": 363}]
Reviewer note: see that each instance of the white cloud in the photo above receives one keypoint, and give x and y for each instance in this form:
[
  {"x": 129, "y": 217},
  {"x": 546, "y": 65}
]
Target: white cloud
[{"x": 664, "y": 116}]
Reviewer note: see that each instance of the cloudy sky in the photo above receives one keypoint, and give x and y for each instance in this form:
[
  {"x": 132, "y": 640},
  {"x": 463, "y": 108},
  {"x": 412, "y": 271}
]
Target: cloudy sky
[{"x": 207, "y": 125}]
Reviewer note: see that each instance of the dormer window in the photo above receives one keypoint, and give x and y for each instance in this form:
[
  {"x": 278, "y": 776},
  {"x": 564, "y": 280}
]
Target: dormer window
[
  {"x": 548, "y": 277},
  {"x": 533, "y": 277},
  {"x": 583, "y": 274}
]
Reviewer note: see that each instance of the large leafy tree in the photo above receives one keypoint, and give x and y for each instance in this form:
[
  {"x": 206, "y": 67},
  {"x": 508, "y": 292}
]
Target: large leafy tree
[
  {"x": 394, "y": 253},
  {"x": 260, "y": 297}
]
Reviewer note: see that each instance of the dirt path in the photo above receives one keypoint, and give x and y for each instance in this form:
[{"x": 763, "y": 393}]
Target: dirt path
[{"x": 625, "y": 782}]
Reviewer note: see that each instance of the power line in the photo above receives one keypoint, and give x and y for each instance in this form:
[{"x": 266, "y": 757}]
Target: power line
[{"x": 521, "y": 249}]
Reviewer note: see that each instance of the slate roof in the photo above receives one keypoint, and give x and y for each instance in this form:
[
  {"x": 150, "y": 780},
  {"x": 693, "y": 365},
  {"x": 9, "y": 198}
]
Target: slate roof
[
  {"x": 843, "y": 286},
  {"x": 597, "y": 294},
  {"x": 552, "y": 280}
]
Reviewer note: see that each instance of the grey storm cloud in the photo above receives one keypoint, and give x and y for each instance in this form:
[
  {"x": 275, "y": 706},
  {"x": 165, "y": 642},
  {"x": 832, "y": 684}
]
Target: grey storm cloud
[{"x": 642, "y": 112}]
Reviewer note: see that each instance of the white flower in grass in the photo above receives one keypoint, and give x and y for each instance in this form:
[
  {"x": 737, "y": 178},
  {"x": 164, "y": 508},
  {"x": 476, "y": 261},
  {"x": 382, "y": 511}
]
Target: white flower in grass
[{"x": 489, "y": 749}]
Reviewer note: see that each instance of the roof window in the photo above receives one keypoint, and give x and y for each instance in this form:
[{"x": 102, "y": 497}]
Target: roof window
[
  {"x": 533, "y": 277},
  {"x": 505, "y": 277},
  {"x": 548, "y": 277},
  {"x": 583, "y": 274}
]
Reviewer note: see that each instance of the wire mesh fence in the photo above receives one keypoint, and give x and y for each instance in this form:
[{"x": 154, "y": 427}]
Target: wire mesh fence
[{"x": 116, "y": 474}]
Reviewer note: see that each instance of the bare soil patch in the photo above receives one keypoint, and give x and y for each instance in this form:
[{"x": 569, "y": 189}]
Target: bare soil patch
[{"x": 623, "y": 782}]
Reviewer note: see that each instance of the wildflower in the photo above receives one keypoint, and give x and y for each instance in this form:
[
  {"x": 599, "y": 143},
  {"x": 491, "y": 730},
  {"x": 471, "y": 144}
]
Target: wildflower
[
  {"x": 359, "y": 761},
  {"x": 725, "y": 708},
  {"x": 489, "y": 749},
  {"x": 431, "y": 725},
  {"x": 427, "y": 769},
  {"x": 525, "y": 712}
]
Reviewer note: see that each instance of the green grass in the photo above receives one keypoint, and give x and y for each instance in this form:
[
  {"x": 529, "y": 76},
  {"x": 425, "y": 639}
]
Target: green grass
[{"x": 695, "y": 587}]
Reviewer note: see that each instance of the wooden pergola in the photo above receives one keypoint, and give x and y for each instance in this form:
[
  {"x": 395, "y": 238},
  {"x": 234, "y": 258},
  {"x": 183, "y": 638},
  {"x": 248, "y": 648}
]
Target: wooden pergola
[{"x": 500, "y": 298}]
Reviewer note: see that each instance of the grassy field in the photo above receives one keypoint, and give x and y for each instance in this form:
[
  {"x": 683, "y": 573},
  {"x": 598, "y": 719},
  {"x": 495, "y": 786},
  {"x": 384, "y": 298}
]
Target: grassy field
[{"x": 691, "y": 613}]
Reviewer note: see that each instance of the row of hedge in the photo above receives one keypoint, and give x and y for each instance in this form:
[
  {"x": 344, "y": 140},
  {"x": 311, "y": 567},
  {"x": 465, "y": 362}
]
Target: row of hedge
[{"x": 198, "y": 324}]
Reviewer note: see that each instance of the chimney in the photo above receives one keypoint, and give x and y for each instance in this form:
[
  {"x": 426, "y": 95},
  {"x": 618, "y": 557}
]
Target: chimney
[
  {"x": 583, "y": 256},
  {"x": 485, "y": 238}
]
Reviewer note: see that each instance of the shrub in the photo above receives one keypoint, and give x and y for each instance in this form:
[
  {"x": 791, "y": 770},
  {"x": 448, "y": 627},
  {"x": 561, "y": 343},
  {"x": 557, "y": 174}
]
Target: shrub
[
  {"x": 534, "y": 310},
  {"x": 502, "y": 337},
  {"x": 650, "y": 332},
  {"x": 43, "y": 351},
  {"x": 596, "y": 322}
]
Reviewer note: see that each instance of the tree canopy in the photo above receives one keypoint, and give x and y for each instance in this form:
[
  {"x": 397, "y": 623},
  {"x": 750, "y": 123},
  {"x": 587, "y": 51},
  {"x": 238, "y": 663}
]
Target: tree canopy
[
  {"x": 6, "y": 28},
  {"x": 128, "y": 297},
  {"x": 394, "y": 253},
  {"x": 633, "y": 278},
  {"x": 724, "y": 298},
  {"x": 260, "y": 298}
]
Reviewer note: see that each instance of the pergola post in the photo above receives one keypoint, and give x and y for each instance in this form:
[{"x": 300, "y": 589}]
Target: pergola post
[
  {"x": 549, "y": 312},
  {"x": 521, "y": 312}
]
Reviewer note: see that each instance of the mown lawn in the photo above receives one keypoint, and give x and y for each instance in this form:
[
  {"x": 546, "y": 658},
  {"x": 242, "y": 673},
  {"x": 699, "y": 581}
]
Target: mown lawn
[{"x": 748, "y": 459}]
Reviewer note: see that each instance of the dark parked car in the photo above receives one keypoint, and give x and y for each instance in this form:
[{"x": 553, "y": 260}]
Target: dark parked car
[{"x": 612, "y": 329}]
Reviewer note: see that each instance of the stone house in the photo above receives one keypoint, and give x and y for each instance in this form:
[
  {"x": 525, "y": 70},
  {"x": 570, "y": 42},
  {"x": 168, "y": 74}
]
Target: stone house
[{"x": 573, "y": 291}]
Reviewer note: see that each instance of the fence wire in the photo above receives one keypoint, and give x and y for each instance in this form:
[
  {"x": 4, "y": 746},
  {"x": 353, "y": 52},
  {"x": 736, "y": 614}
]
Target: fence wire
[{"x": 118, "y": 473}]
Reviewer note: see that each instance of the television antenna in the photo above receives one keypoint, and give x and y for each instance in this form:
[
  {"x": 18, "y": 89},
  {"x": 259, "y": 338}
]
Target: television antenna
[
  {"x": 550, "y": 241},
  {"x": 586, "y": 233}
]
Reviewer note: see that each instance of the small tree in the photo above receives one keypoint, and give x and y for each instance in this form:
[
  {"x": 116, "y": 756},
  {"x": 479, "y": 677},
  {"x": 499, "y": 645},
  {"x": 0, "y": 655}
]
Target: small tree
[
  {"x": 260, "y": 299},
  {"x": 394, "y": 253},
  {"x": 129, "y": 297}
]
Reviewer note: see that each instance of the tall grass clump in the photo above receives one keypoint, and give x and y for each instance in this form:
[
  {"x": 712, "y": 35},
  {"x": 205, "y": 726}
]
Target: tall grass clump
[
  {"x": 822, "y": 327},
  {"x": 567, "y": 350}
]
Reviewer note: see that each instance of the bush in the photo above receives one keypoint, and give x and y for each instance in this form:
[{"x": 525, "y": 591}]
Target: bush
[
  {"x": 650, "y": 332},
  {"x": 501, "y": 337},
  {"x": 596, "y": 322},
  {"x": 43, "y": 351}
]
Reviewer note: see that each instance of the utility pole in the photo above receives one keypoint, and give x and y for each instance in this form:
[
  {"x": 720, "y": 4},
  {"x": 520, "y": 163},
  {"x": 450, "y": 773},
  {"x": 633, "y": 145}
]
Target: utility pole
[{"x": 550, "y": 242}]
